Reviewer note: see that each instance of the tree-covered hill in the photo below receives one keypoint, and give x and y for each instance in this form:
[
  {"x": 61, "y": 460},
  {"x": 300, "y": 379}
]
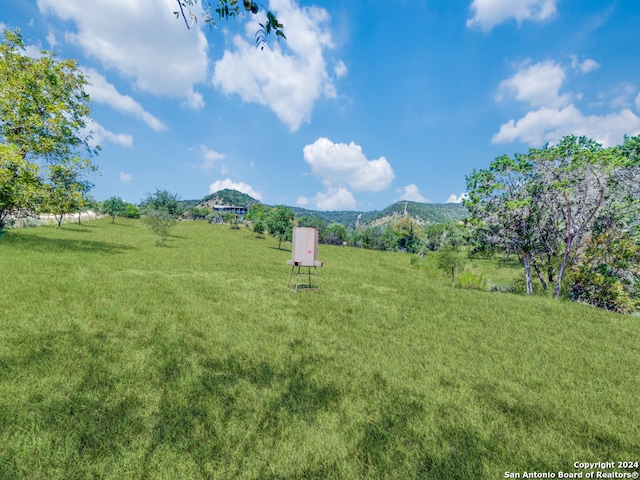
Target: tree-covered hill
[
  {"x": 423, "y": 213},
  {"x": 223, "y": 197}
]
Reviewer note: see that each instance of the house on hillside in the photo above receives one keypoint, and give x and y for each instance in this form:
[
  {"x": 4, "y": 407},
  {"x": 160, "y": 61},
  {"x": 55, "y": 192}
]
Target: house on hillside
[{"x": 230, "y": 209}]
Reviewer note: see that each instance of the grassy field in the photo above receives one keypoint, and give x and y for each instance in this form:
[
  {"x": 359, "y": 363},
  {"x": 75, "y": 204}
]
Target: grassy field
[{"x": 120, "y": 359}]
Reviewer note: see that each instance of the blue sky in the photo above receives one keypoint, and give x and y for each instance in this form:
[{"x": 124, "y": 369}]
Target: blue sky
[{"x": 364, "y": 104}]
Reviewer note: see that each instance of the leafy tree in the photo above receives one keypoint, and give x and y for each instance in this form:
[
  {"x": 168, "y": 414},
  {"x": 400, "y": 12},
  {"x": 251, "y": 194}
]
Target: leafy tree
[
  {"x": 114, "y": 206},
  {"x": 608, "y": 273},
  {"x": 43, "y": 117},
  {"x": 280, "y": 223},
  {"x": 19, "y": 184},
  {"x": 43, "y": 106},
  {"x": 88, "y": 203},
  {"x": 505, "y": 203},
  {"x": 334, "y": 234},
  {"x": 259, "y": 227},
  {"x": 131, "y": 211},
  {"x": 65, "y": 189},
  {"x": 162, "y": 201},
  {"x": 161, "y": 210},
  {"x": 449, "y": 260},
  {"x": 198, "y": 213},
  {"x": 257, "y": 211},
  {"x": 409, "y": 234},
  {"x": 388, "y": 240},
  {"x": 578, "y": 173},
  {"x": 227, "y": 9}
]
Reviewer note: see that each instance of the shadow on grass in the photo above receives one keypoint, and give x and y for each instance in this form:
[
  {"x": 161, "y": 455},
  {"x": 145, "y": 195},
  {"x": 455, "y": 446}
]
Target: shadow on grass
[
  {"x": 281, "y": 249},
  {"x": 35, "y": 243},
  {"x": 89, "y": 421},
  {"x": 198, "y": 415}
]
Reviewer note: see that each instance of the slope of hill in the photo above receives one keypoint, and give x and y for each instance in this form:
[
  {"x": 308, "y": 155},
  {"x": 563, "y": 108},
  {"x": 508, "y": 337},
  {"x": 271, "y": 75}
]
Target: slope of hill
[
  {"x": 193, "y": 360},
  {"x": 223, "y": 197}
]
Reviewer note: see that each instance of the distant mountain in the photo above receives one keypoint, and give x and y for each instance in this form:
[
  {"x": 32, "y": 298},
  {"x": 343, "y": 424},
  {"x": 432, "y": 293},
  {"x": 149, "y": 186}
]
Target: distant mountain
[{"x": 423, "y": 213}]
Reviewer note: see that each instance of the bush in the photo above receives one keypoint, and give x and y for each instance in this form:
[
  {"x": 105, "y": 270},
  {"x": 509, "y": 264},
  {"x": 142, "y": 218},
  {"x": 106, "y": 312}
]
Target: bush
[
  {"x": 131, "y": 211},
  {"x": 471, "y": 281},
  {"x": 161, "y": 223}
]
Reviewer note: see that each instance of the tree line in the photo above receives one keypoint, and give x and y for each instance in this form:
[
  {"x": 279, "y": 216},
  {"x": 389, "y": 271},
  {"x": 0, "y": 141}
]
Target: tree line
[{"x": 571, "y": 207}]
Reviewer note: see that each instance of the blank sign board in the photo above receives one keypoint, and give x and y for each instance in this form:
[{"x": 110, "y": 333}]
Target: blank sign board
[{"x": 305, "y": 247}]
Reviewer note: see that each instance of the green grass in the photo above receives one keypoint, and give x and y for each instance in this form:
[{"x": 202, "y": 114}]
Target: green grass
[{"x": 120, "y": 359}]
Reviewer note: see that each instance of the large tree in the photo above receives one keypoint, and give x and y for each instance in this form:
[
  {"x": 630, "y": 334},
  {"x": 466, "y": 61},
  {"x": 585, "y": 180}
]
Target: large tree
[
  {"x": 507, "y": 207},
  {"x": 44, "y": 111},
  {"x": 548, "y": 200}
]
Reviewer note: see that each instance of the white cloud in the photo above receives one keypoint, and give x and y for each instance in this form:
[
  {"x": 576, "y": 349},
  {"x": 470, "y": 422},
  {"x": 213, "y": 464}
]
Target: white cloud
[
  {"x": 209, "y": 158},
  {"x": 555, "y": 115},
  {"x": 101, "y": 135},
  {"x": 537, "y": 84},
  {"x": 489, "y": 13},
  {"x": 338, "y": 198},
  {"x": 141, "y": 39},
  {"x": 193, "y": 100},
  {"x": 101, "y": 91},
  {"x": 288, "y": 76},
  {"x": 125, "y": 177},
  {"x": 453, "y": 198},
  {"x": 585, "y": 66},
  {"x": 638, "y": 102},
  {"x": 548, "y": 125},
  {"x": 339, "y": 162},
  {"x": 588, "y": 65},
  {"x": 239, "y": 186},
  {"x": 340, "y": 69},
  {"x": 302, "y": 201},
  {"x": 412, "y": 193},
  {"x": 51, "y": 40}
]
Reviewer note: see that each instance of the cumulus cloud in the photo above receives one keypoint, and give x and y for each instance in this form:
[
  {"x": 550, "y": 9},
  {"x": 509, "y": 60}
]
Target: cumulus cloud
[
  {"x": 638, "y": 102},
  {"x": 453, "y": 198},
  {"x": 339, "y": 162},
  {"x": 302, "y": 201},
  {"x": 100, "y": 135},
  {"x": 140, "y": 39},
  {"x": 288, "y": 77},
  {"x": 537, "y": 84},
  {"x": 412, "y": 193},
  {"x": 335, "y": 198},
  {"x": 125, "y": 177},
  {"x": 239, "y": 186},
  {"x": 584, "y": 66},
  {"x": 548, "y": 125},
  {"x": 101, "y": 91},
  {"x": 490, "y": 13},
  {"x": 555, "y": 114}
]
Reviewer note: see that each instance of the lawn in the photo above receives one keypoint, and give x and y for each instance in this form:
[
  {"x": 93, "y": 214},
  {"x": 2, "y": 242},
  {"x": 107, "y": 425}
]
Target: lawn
[{"x": 120, "y": 359}]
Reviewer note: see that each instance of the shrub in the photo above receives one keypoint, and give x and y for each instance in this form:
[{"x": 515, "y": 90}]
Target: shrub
[
  {"x": 131, "y": 211},
  {"x": 471, "y": 281},
  {"x": 161, "y": 223}
]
